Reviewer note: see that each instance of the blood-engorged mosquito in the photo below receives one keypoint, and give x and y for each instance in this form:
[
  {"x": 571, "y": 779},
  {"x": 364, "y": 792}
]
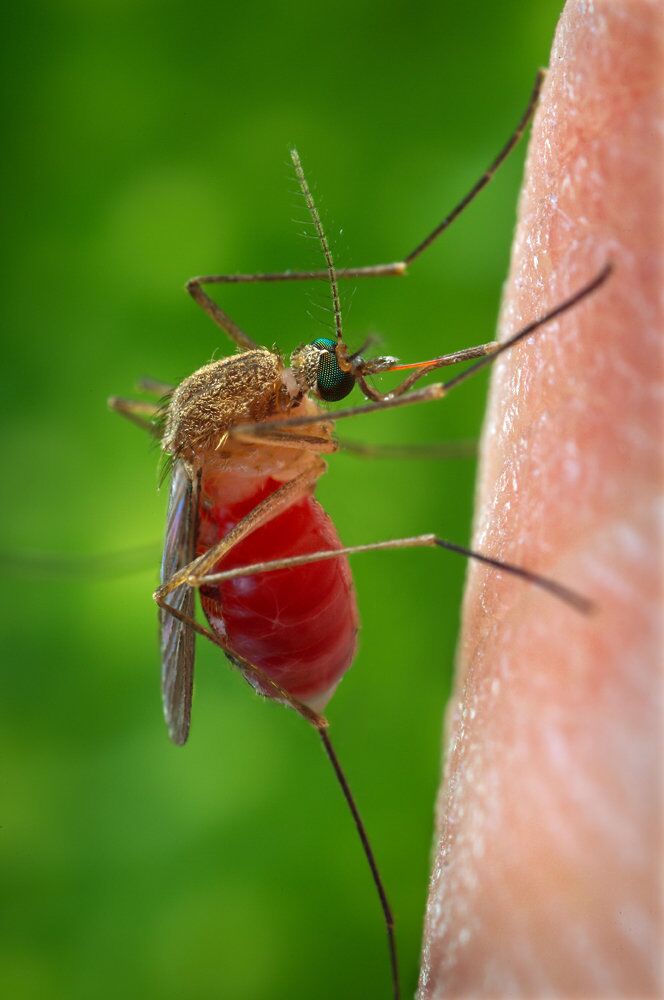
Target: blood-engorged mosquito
[{"x": 245, "y": 437}]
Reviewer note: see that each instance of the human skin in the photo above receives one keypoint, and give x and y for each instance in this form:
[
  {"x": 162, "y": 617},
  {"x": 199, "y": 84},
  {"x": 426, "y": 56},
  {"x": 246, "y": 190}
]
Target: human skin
[{"x": 546, "y": 870}]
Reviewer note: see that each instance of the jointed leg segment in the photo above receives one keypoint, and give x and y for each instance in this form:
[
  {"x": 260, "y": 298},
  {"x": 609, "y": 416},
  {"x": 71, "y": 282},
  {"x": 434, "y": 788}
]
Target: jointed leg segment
[
  {"x": 283, "y": 497},
  {"x": 394, "y": 269},
  {"x": 466, "y": 354},
  {"x": 198, "y": 572},
  {"x": 321, "y": 725},
  {"x": 137, "y": 412},
  {"x": 563, "y": 593},
  {"x": 438, "y": 389}
]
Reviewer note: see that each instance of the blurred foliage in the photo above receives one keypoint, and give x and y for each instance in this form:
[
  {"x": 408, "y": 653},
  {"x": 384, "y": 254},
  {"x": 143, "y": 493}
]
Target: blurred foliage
[{"x": 145, "y": 142}]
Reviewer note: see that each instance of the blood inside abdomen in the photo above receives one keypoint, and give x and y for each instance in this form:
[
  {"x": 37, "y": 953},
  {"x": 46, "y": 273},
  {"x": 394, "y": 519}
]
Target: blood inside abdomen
[{"x": 299, "y": 625}]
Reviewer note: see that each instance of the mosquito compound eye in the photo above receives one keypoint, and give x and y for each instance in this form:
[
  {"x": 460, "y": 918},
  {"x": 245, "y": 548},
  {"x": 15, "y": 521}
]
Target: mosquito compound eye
[{"x": 332, "y": 382}]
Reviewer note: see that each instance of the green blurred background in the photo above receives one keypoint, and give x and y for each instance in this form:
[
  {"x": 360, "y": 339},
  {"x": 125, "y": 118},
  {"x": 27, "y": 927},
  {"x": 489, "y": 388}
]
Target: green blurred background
[{"x": 145, "y": 142}]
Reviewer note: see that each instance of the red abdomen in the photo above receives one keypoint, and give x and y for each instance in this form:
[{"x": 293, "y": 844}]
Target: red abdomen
[{"x": 300, "y": 624}]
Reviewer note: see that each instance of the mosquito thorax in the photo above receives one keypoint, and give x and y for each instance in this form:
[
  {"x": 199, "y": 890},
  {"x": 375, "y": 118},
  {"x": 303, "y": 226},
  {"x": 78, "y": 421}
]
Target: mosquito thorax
[
  {"x": 243, "y": 388},
  {"x": 316, "y": 369}
]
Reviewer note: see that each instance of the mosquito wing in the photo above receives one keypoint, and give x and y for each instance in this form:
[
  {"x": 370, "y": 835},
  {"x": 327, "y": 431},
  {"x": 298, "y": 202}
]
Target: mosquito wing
[{"x": 177, "y": 639}]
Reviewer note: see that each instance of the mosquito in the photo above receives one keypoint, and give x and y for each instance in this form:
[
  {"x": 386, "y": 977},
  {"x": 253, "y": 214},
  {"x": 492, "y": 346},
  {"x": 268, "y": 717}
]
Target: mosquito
[{"x": 245, "y": 438}]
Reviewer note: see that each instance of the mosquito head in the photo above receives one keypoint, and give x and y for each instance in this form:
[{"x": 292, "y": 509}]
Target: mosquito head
[{"x": 316, "y": 369}]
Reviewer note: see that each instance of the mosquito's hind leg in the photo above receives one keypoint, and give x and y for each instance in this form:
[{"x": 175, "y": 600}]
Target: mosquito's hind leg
[
  {"x": 321, "y": 725},
  {"x": 139, "y": 413},
  {"x": 248, "y": 670},
  {"x": 155, "y": 386}
]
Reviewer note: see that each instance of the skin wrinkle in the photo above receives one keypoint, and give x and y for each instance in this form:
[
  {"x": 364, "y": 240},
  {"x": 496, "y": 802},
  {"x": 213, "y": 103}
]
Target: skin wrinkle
[{"x": 549, "y": 817}]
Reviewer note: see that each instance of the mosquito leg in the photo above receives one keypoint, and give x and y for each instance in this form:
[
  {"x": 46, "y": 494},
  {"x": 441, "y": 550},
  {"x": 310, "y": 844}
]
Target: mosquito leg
[
  {"x": 316, "y": 274},
  {"x": 466, "y": 354},
  {"x": 430, "y": 392},
  {"x": 554, "y": 588},
  {"x": 262, "y": 512},
  {"x": 195, "y": 288},
  {"x": 155, "y": 386},
  {"x": 321, "y": 725},
  {"x": 487, "y": 175},
  {"x": 139, "y": 413},
  {"x": 438, "y": 389},
  {"x": 80, "y": 565},
  {"x": 368, "y": 852},
  {"x": 395, "y": 268},
  {"x": 303, "y": 442},
  {"x": 442, "y": 449},
  {"x": 536, "y": 324},
  {"x": 247, "y": 669},
  {"x": 487, "y": 353},
  {"x": 377, "y": 396}
]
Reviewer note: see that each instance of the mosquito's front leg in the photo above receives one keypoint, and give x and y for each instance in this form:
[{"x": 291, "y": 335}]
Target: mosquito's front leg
[
  {"x": 438, "y": 389},
  {"x": 429, "y": 393},
  {"x": 466, "y": 354},
  {"x": 394, "y": 269},
  {"x": 230, "y": 327},
  {"x": 488, "y": 173}
]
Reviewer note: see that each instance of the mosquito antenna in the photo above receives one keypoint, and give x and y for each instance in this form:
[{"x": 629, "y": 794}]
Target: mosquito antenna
[
  {"x": 488, "y": 173},
  {"x": 332, "y": 275}
]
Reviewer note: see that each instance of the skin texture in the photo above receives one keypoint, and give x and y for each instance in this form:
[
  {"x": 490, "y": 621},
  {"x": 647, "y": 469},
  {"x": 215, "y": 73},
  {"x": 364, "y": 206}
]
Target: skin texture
[{"x": 546, "y": 872}]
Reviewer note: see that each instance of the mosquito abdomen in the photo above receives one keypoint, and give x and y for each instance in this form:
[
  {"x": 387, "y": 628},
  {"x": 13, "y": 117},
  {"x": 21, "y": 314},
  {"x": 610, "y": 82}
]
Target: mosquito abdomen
[{"x": 299, "y": 625}]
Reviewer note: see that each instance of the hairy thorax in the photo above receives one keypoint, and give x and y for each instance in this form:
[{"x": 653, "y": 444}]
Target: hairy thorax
[{"x": 244, "y": 389}]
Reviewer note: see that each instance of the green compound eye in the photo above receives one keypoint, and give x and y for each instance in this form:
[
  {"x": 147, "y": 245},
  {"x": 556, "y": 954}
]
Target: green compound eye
[{"x": 332, "y": 383}]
